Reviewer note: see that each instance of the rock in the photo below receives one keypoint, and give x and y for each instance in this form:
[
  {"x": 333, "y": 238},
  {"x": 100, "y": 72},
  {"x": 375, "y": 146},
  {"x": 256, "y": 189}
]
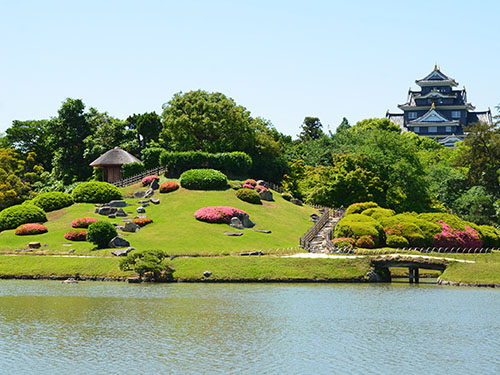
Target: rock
[
  {"x": 139, "y": 194},
  {"x": 140, "y": 217},
  {"x": 143, "y": 201},
  {"x": 262, "y": 230},
  {"x": 236, "y": 223},
  {"x": 245, "y": 220},
  {"x": 121, "y": 213},
  {"x": 207, "y": 273},
  {"x": 154, "y": 185},
  {"x": 235, "y": 234},
  {"x": 99, "y": 205},
  {"x": 261, "y": 182},
  {"x": 71, "y": 251},
  {"x": 122, "y": 252},
  {"x": 314, "y": 217},
  {"x": 251, "y": 253},
  {"x": 34, "y": 245},
  {"x": 141, "y": 210},
  {"x": 131, "y": 227},
  {"x": 298, "y": 202},
  {"x": 118, "y": 242},
  {"x": 70, "y": 280},
  {"x": 149, "y": 193},
  {"x": 134, "y": 280},
  {"x": 117, "y": 203},
  {"x": 145, "y": 205},
  {"x": 112, "y": 216},
  {"x": 155, "y": 200},
  {"x": 118, "y": 227},
  {"x": 266, "y": 195},
  {"x": 106, "y": 211}
]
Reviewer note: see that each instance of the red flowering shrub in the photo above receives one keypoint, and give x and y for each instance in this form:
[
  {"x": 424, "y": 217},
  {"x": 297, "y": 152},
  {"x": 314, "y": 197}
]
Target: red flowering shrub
[
  {"x": 365, "y": 242},
  {"x": 148, "y": 179},
  {"x": 251, "y": 181},
  {"x": 217, "y": 214},
  {"x": 449, "y": 237},
  {"x": 343, "y": 242},
  {"x": 394, "y": 230},
  {"x": 76, "y": 235},
  {"x": 260, "y": 188},
  {"x": 247, "y": 186},
  {"x": 142, "y": 221},
  {"x": 169, "y": 186},
  {"x": 27, "y": 229},
  {"x": 83, "y": 222}
]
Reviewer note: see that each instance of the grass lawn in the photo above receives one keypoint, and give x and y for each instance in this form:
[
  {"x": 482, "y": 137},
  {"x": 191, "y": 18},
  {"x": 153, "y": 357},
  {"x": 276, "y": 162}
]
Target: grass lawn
[
  {"x": 176, "y": 231},
  {"x": 486, "y": 270}
]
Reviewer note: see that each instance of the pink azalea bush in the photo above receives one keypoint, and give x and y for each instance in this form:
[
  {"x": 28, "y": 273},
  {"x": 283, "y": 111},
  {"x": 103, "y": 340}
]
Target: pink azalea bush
[
  {"x": 449, "y": 237},
  {"x": 394, "y": 230},
  {"x": 83, "y": 222},
  {"x": 148, "y": 179},
  {"x": 217, "y": 214},
  {"x": 365, "y": 242},
  {"x": 76, "y": 235},
  {"x": 27, "y": 229},
  {"x": 260, "y": 188},
  {"x": 251, "y": 181},
  {"x": 142, "y": 221},
  {"x": 247, "y": 186},
  {"x": 343, "y": 242}
]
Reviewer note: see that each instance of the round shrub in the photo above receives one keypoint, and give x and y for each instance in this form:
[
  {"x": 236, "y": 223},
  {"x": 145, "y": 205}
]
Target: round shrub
[
  {"x": 365, "y": 242},
  {"x": 397, "y": 241},
  {"x": 357, "y": 225},
  {"x": 343, "y": 242},
  {"x": 28, "y": 229},
  {"x": 83, "y": 222},
  {"x": 96, "y": 192},
  {"x": 490, "y": 236},
  {"x": 378, "y": 212},
  {"x": 248, "y": 195},
  {"x": 235, "y": 185},
  {"x": 287, "y": 196},
  {"x": 449, "y": 237},
  {"x": 52, "y": 201},
  {"x": 251, "y": 181},
  {"x": 14, "y": 216},
  {"x": 203, "y": 179},
  {"x": 357, "y": 208},
  {"x": 169, "y": 186},
  {"x": 142, "y": 221},
  {"x": 76, "y": 235},
  {"x": 217, "y": 214},
  {"x": 146, "y": 181},
  {"x": 100, "y": 233}
]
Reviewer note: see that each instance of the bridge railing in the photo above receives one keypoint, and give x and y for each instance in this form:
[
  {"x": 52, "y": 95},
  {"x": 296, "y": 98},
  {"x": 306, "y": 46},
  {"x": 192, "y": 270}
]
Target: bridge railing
[
  {"x": 134, "y": 179},
  {"x": 427, "y": 250}
]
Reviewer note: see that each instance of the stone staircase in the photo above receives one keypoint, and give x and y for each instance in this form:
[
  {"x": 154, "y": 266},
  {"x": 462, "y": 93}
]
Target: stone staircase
[{"x": 319, "y": 243}]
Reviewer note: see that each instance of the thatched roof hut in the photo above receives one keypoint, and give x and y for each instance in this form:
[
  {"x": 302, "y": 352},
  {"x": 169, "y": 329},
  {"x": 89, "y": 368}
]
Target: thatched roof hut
[{"x": 111, "y": 162}]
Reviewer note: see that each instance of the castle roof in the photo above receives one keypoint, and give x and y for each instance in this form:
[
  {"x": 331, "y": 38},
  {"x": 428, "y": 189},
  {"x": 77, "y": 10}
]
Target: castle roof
[{"x": 436, "y": 78}]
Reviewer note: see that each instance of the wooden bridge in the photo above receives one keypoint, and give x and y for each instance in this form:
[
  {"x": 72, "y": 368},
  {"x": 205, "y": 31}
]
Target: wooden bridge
[{"x": 382, "y": 264}]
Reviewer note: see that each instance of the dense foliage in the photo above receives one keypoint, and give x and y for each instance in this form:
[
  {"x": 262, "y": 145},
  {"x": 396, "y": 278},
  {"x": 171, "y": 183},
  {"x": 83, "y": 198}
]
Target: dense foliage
[
  {"x": 133, "y": 169},
  {"x": 150, "y": 265},
  {"x": 100, "y": 233},
  {"x": 96, "y": 192},
  {"x": 52, "y": 201},
  {"x": 203, "y": 179},
  {"x": 14, "y": 216},
  {"x": 248, "y": 195}
]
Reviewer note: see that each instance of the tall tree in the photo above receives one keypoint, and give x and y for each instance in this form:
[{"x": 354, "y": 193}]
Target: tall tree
[
  {"x": 343, "y": 126},
  {"x": 311, "y": 129},
  {"x": 149, "y": 127}
]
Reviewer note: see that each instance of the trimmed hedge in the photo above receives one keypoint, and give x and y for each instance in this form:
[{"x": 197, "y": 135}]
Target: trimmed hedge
[
  {"x": 14, "y": 216},
  {"x": 357, "y": 225},
  {"x": 30, "y": 229},
  {"x": 357, "y": 208},
  {"x": 217, "y": 214},
  {"x": 52, "y": 201},
  {"x": 96, "y": 192},
  {"x": 237, "y": 163},
  {"x": 169, "y": 186},
  {"x": 490, "y": 236},
  {"x": 397, "y": 241},
  {"x": 344, "y": 242},
  {"x": 100, "y": 233},
  {"x": 133, "y": 169},
  {"x": 248, "y": 195},
  {"x": 83, "y": 222},
  {"x": 365, "y": 242},
  {"x": 203, "y": 179},
  {"x": 151, "y": 157},
  {"x": 76, "y": 235}
]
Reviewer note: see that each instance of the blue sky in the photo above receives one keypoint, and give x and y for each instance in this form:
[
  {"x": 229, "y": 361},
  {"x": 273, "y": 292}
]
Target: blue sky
[{"x": 283, "y": 60}]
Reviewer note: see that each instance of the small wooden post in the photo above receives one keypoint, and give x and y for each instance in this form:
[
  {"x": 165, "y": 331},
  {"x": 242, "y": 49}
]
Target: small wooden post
[
  {"x": 411, "y": 270},
  {"x": 417, "y": 275}
]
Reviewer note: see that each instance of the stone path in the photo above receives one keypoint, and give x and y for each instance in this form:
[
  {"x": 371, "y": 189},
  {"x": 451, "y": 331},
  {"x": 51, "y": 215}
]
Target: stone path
[{"x": 318, "y": 243}]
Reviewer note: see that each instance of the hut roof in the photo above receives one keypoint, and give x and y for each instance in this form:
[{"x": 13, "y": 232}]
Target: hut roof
[{"x": 115, "y": 156}]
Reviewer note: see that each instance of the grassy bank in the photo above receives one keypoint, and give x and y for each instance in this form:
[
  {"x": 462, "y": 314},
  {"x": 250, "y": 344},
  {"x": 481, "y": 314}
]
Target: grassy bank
[{"x": 486, "y": 270}]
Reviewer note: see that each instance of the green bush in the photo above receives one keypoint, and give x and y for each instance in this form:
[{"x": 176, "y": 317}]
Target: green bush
[
  {"x": 96, "y": 192},
  {"x": 417, "y": 231},
  {"x": 235, "y": 185},
  {"x": 133, "y": 169},
  {"x": 365, "y": 242},
  {"x": 237, "y": 163},
  {"x": 14, "y": 216},
  {"x": 397, "y": 241},
  {"x": 248, "y": 195},
  {"x": 52, "y": 201},
  {"x": 378, "y": 212},
  {"x": 151, "y": 157},
  {"x": 151, "y": 265},
  {"x": 100, "y": 233},
  {"x": 357, "y": 208},
  {"x": 357, "y": 225},
  {"x": 490, "y": 236},
  {"x": 203, "y": 179}
]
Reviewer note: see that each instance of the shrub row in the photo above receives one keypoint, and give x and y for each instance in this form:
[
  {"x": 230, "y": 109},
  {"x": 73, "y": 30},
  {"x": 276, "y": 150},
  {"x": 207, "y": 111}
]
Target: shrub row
[
  {"x": 96, "y": 192},
  {"x": 237, "y": 163},
  {"x": 133, "y": 169},
  {"x": 52, "y": 201},
  {"x": 203, "y": 179}
]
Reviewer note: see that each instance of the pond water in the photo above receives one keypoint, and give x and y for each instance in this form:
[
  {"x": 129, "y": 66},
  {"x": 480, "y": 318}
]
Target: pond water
[{"x": 115, "y": 328}]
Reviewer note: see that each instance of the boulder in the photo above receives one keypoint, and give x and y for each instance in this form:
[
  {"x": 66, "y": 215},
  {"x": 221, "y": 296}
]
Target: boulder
[
  {"x": 106, "y": 211},
  {"x": 266, "y": 195},
  {"x": 140, "y": 217},
  {"x": 251, "y": 253},
  {"x": 141, "y": 210},
  {"x": 112, "y": 216},
  {"x": 34, "y": 245},
  {"x": 70, "y": 280},
  {"x": 122, "y": 252},
  {"x": 298, "y": 202},
  {"x": 236, "y": 223},
  {"x": 149, "y": 193},
  {"x": 155, "y": 200},
  {"x": 245, "y": 220},
  {"x": 154, "y": 185},
  {"x": 131, "y": 227},
  {"x": 117, "y": 203},
  {"x": 207, "y": 273},
  {"x": 233, "y": 234},
  {"x": 261, "y": 182},
  {"x": 143, "y": 201},
  {"x": 262, "y": 230},
  {"x": 139, "y": 194},
  {"x": 121, "y": 213},
  {"x": 118, "y": 242},
  {"x": 145, "y": 205}
]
